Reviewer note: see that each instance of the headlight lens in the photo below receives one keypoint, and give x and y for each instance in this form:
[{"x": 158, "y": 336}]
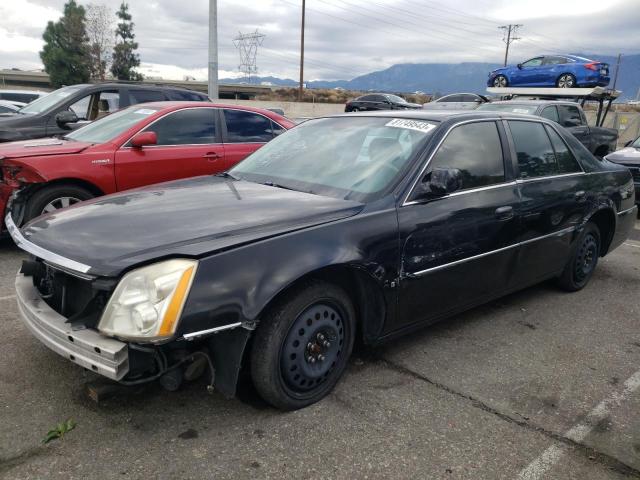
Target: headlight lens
[{"x": 147, "y": 303}]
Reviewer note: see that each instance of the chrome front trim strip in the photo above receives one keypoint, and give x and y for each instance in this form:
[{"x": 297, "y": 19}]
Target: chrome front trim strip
[
  {"x": 628, "y": 210},
  {"x": 471, "y": 190},
  {"x": 559, "y": 233},
  {"x": 46, "y": 255},
  {"x": 201, "y": 333}
]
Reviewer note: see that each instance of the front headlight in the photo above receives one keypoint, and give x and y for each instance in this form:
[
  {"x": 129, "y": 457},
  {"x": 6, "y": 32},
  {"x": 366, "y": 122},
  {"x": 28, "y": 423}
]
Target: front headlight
[{"x": 147, "y": 303}]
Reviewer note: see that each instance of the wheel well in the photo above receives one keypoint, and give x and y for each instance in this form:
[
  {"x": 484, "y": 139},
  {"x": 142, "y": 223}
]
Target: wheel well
[
  {"x": 73, "y": 181},
  {"x": 605, "y": 220}
]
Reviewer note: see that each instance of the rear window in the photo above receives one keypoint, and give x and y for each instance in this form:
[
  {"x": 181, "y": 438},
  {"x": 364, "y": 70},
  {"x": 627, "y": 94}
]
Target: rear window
[
  {"x": 144, "y": 96},
  {"x": 187, "y": 96}
]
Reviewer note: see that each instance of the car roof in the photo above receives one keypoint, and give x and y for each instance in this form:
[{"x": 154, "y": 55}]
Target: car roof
[
  {"x": 133, "y": 85},
  {"x": 435, "y": 115},
  {"x": 177, "y": 105}
]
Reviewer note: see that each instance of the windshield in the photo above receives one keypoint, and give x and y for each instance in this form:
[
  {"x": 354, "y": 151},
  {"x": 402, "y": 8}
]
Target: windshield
[
  {"x": 111, "y": 126},
  {"x": 343, "y": 157},
  {"x": 49, "y": 100},
  {"x": 397, "y": 99},
  {"x": 509, "y": 107}
]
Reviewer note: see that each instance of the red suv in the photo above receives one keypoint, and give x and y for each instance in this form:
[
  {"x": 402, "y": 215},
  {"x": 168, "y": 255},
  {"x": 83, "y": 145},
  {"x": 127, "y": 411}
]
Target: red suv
[{"x": 137, "y": 146}]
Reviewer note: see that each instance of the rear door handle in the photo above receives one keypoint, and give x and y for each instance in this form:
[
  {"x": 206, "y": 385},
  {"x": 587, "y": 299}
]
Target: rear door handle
[
  {"x": 504, "y": 213},
  {"x": 579, "y": 195},
  {"x": 211, "y": 156}
]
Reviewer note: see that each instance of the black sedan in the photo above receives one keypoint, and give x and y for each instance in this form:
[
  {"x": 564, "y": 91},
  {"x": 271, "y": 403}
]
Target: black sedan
[
  {"x": 370, "y": 225},
  {"x": 379, "y": 101}
]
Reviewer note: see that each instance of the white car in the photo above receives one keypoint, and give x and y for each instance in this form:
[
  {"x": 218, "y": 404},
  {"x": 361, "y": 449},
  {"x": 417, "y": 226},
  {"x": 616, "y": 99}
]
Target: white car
[
  {"x": 21, "y": 97},
  {"x": 10, "y": 107},
  {"x": 456, "y": 101}
]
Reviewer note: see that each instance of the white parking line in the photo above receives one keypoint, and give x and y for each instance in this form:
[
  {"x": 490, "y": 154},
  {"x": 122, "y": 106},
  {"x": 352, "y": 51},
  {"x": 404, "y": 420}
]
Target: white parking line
[
  {"x": 552, "y": 455},
  {"x": 632, "y": 245},
  {"x": 8, "y": 297}
]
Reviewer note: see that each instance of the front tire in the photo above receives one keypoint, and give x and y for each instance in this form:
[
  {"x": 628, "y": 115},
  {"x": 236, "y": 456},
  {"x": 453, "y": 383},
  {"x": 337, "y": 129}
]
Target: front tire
[
  {"x": 301, "y": 347},
  {"x": 500, "y": 81},
  {"x": 566, "y": 80},
  {"x": 54, "y": 197},
  {"x": 584, "y": 260}
]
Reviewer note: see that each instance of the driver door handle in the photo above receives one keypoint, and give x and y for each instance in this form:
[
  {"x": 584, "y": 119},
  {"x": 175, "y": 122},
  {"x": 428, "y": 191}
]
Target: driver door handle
[
  {"x": 504, "y": 213},
  {"x": 212, "y": 156}
]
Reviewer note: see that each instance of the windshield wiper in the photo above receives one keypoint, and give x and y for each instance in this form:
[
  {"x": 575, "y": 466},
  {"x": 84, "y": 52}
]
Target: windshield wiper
[
  {"x": 277, "y": 185},
  {"x": 226, "y": 175}
]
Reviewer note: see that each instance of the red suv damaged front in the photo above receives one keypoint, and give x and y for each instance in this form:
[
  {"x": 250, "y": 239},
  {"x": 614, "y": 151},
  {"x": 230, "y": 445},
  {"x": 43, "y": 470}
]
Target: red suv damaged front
[{"x": 191, "y": 139}]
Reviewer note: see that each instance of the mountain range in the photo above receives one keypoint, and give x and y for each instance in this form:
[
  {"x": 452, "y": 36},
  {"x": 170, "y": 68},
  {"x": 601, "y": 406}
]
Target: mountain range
[{"x": 443, "y": 78}]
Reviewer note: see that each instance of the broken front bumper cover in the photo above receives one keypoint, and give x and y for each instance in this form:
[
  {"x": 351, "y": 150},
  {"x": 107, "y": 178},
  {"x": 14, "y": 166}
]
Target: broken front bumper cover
[{"x": 87, "y": 348}]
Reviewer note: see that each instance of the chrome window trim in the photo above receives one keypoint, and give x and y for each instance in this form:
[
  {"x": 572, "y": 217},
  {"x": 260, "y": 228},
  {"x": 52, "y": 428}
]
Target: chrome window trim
[
  {"x": 559, "y": 233},
  {"x": 124, "y": 144},
  {"x": 549, "y": 177},
  {"x": 194, "y": 335},
  {"x": 471, "y": 190},
  {"x": 435, "y": 150},
  {"x": 49, "y": 257}
]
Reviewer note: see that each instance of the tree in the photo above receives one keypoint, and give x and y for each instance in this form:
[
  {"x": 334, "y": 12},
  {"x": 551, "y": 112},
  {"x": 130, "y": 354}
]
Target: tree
[
  {"x": 99, "y": 30},
  {"x": 125, "y": 60},
  {"x": 65, "y": 52}
]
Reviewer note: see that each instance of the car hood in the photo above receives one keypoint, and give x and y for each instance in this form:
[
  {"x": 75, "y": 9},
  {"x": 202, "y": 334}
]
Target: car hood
[
  {"x": 625, "y": 156},
  {"x": 192, "y": 218},
  {"x": 40, "y": 147},
  {"x": 500, "y": 70}
]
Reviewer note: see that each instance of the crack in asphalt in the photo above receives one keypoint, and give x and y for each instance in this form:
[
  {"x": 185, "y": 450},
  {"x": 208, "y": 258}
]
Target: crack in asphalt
[
  {"x": 10, "y": 463},
  {"x": 591, "y": 453}
]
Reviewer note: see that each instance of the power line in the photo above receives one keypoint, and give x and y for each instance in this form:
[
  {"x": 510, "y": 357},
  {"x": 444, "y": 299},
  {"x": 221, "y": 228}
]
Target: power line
[{"x": 509, "y": 37}]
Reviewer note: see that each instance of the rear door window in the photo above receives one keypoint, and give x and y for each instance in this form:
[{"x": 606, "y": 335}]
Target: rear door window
[
  {"x": 536, "y": 157},
  {"x": 567, "y": 163},
  {"x": 569, "y": 115},
  {"x": 144, "y": 96},
  {"x": 247, "y": 127},
  {"x": 550, "y": 113},
  {"x": 534, "y": 62},
  {"x": 475, "y": 150}
]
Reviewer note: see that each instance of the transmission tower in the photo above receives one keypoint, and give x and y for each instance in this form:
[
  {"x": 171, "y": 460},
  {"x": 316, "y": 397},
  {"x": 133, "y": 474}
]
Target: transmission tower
[
  {"x": 509, "y": 37},
  {"x": 247, "y": 45}
]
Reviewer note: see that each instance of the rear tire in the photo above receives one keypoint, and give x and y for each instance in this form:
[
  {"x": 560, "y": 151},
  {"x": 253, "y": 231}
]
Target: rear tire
[
  {"x": 583, "y": 261},
  {"x": 566, "y": 80},
  {"x": 53, "y": 197},
  {"x": 302, "y": 345}
]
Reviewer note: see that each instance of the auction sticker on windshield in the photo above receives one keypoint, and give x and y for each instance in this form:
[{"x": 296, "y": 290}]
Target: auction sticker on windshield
[
  {"x": 145, "y": 111},
  {"x": 411, "y": 125}
]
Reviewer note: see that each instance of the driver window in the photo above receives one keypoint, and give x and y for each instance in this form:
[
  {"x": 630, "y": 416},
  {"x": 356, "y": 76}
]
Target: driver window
[
  {"x": 81, "y": 108},
  {"x": 534, "y": 62},
  {"x": 476, "y": 151}
]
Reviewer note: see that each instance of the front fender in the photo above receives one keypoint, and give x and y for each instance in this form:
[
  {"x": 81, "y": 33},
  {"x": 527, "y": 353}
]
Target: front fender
[{"x": 236, "y": 285}]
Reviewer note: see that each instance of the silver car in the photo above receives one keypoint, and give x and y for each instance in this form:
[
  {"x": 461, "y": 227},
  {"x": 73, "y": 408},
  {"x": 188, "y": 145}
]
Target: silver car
[
  {"x": 456, "y": 101},
  {"x": 629, "y": 156}
]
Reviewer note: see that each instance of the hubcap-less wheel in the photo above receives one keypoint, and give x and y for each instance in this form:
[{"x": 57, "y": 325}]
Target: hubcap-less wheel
[
  {"x": 500, "y": 81},
  {"x": 586, "y": 258},
  {"x": 58, "y": 203},
  {"x": 566, "y": 81},
  {"x": 312, "y": 347}
]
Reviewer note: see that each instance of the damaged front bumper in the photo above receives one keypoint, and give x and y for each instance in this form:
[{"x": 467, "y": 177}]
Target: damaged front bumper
[{"x": 87, "y": 348}]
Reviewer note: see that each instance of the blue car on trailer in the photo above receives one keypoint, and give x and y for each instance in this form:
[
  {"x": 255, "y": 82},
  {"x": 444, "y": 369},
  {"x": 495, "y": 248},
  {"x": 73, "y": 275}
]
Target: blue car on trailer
[{"x": 560, "y": 71}]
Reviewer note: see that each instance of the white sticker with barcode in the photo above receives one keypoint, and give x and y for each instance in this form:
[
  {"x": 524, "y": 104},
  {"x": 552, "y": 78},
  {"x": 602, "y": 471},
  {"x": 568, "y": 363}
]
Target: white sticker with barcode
[
  {"x": 520, "y": 110},
  {"x": 411, "y": 124},
  {"x": 145, "y": 111}
]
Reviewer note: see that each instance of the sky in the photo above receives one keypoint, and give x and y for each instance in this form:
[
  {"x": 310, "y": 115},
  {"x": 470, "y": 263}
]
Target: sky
[{"x": 344, "y": 38}]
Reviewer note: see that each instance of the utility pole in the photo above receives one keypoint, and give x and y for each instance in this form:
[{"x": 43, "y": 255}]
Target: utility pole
[
  {"x": 213, "y": 50},
  {"x": 615, "y": 78},
  {"x": 301, "y": 90},
  {"x": 509, "y": 37}
]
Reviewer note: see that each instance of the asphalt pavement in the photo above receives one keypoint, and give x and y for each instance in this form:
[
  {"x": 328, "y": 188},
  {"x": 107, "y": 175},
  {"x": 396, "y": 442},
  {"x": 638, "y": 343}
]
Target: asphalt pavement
[{"x": 537, "y": 385}]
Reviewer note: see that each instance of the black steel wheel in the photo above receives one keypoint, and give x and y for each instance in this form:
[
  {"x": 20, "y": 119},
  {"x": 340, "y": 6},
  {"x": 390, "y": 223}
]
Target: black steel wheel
[
  {"x": 584, "y": 260},
  {"x": 566, "y": 80},
  {"x": 301, "y": 347},
  {"x": 500, "y": 81}
]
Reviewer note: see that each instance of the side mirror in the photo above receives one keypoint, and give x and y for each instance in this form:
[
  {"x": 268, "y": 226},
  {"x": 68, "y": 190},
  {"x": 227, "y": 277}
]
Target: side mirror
[
  {"x": 443, "y": 181},
  {"x": 144, "y": 139},
  {"x": 519, "y": 66},
  {"x": 65, "y": 118}
]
